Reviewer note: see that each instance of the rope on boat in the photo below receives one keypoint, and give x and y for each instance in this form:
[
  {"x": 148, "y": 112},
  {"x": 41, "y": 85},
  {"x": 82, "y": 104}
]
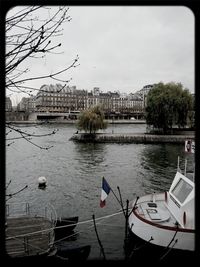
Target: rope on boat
[
  {"x": 111, "y": 225},
  {"x": 32, "y": 233},
  {"x": 42, "y": 250},
  {"x": 91, "y": 226},
  {"x": 67, "y": 237},
  {"x": 30, "y": 245},
  {"x": 65, "y": 226}
]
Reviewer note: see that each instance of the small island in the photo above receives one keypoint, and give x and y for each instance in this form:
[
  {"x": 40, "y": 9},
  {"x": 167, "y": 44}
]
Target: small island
[
  {"x": 131, "y": 138},
  {"x": 168, "y": 117}
]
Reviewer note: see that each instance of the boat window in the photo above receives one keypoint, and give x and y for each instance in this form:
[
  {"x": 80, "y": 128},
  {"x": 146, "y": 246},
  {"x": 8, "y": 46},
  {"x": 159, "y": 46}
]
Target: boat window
[{"x": 182, "y": 190}]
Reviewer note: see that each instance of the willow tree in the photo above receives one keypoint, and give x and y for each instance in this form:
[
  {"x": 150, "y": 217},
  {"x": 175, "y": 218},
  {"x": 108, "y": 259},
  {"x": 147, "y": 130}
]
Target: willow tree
[
  {"x": 168, "y": 105},
  {"x": 91, "y": 120}
]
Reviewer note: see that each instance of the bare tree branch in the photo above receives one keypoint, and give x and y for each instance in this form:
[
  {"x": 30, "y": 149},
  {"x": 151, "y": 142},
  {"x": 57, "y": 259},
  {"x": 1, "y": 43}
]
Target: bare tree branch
[
  {"x": 28, "y": 136},
  {"x": 30, "y": 35},
  {"x": 15, "y": 193},
  {"x": 47, "y": 76}
]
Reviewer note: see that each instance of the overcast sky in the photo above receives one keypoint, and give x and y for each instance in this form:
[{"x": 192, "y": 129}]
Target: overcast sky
[{"x": 125, "y": 47}]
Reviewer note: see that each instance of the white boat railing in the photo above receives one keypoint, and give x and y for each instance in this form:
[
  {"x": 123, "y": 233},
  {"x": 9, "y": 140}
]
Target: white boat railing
[{"x": 188, "y": 174}]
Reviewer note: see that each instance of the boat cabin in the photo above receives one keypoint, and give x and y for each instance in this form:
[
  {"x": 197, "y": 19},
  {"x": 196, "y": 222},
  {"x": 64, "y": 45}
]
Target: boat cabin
[{"x": 180, "y": 200}]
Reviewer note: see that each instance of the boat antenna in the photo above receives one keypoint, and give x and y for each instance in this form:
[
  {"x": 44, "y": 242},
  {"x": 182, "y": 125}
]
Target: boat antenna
[
  {"x": 126, "y": 239},
  {"x": 178, "y": 168},
  {"x": 185, "y": 166}
]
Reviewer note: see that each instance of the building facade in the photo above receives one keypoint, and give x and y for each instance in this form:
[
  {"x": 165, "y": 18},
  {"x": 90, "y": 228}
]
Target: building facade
[
  {"x": 65, "y": 99},
  {"x": 60, "y": 99}
]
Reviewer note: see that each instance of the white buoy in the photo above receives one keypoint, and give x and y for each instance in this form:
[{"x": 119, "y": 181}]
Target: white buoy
[{"x": 42, "y": 181}]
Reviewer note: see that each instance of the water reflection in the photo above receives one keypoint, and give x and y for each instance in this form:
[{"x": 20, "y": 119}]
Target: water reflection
[
  {"x": 89, "y": 155},
  {"x": 159, "y": 164}
]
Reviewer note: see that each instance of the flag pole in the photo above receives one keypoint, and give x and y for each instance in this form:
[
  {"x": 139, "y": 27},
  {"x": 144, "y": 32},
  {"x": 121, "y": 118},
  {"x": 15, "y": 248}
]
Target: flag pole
[
  {"x": 126, "y": 239},
  {"x": 108, "y": 188}
]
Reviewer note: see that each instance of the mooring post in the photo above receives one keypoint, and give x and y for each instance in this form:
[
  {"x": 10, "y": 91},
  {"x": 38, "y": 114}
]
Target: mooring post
[
  {"x": 126, "y": 229},
  {"x": 98, "y": 239}
]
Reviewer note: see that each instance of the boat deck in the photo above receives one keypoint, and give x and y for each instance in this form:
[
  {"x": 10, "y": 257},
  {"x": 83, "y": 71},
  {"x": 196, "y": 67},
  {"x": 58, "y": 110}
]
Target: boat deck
[
  {"x": 155, "y": 211},
  {"x": 27, "y": 236}
]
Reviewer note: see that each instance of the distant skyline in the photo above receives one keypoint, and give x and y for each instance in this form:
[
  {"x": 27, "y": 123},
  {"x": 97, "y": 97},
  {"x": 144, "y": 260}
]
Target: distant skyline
[{"x": 123, "y": 48}]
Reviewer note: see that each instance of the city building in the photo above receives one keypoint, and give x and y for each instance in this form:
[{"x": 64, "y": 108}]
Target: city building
[
  {"x": 27, "y": 104},
  {"x": 68, "y": 102},
  {"x": 60, "y": 99}
]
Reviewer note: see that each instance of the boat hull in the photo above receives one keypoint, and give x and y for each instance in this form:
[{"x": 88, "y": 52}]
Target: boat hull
[
  {"x": 65, "y": 226},
  {"x": 73, "y": 253},
  {"x": 158, "y": 235},
  {"x": 139, "y": 250},
  {"x": 163, "y": 236}
]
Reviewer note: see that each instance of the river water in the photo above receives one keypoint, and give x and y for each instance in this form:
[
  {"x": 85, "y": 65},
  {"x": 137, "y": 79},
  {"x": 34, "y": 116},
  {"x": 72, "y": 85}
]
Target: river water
[{"x": 74, "y": 174}]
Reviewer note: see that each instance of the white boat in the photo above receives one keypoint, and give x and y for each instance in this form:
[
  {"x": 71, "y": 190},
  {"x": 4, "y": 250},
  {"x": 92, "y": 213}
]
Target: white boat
[{"x": 165, "y": 222}]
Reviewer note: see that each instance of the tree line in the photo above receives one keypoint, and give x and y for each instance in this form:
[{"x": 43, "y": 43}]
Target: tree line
[{"x": 167, "y": 105}]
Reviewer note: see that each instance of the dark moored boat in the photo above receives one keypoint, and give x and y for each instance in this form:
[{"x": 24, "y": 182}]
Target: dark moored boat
[
  {"x": 64, "y": 226},
  {"x": 64, "y": 250}
]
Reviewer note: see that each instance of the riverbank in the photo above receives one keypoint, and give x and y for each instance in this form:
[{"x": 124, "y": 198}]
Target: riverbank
[
  {"x": 74, "y": 122},
  {"x": 131, "y": 138}
]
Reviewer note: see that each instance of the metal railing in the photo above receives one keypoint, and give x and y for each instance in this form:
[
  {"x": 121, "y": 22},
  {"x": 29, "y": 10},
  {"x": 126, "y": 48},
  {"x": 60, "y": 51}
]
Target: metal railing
[
  {"x": 27, "y": 209},
  {"x": 29, "y": 240}
]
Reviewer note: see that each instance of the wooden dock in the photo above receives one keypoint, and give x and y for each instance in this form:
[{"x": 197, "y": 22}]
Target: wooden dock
[{"x": 29, "y": 236}]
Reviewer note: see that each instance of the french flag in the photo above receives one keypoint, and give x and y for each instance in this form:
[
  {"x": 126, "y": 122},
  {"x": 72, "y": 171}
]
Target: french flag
[{"x": 104, "y": 192}]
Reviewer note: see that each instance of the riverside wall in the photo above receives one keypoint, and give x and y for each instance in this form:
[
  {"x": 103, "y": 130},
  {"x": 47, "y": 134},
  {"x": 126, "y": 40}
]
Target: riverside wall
[
  {"x": 62, "y": 121},
  {"x": 131, "y": 138}
]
